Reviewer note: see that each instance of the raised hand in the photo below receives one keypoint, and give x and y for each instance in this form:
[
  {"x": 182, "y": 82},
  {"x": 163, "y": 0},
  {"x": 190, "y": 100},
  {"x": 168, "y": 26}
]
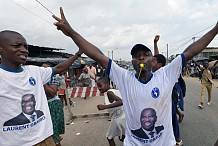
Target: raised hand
[
  {"x": 157, "y": 37},
  {"x": 62, "y": 23}
]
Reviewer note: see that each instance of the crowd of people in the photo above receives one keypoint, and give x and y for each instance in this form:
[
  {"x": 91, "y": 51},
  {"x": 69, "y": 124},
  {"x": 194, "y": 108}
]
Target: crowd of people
[{"x": 143, "y": 110}]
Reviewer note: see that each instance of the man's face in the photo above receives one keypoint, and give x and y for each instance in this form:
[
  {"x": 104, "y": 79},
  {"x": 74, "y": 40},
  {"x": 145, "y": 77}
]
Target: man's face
[
  {"x": 14, "y": 50},
  {"x": 144, "y": 57},
  {"x": 155, "y": 65},
  {"x": 148, "y": 119},
  {"x": 28, "y": 104},
  {"x": 206, "y": 64}
]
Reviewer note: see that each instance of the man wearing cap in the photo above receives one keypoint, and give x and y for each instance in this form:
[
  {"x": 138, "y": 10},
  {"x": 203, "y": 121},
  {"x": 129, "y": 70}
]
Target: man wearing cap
[{"x": 149, "y": 90}]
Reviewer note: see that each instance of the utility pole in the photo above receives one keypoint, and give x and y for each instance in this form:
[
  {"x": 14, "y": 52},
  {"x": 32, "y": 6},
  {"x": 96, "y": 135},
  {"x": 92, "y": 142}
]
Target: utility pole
[{"x": 112, "y": 57}]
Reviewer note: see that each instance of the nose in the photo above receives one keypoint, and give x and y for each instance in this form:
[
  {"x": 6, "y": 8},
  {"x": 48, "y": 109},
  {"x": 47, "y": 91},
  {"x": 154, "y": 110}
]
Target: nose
[{"x": 25, "y": 49}]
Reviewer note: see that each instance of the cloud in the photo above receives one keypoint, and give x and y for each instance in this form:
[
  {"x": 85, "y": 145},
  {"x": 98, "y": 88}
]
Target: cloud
[{"x": 111, "y": 24}]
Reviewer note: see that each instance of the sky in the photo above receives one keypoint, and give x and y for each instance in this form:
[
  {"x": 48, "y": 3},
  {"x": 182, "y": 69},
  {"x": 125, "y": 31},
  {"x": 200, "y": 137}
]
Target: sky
[{"x": 113, "y": 25}]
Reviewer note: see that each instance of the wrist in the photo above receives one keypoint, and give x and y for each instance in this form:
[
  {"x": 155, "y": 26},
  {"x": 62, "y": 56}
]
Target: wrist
[{"x": 79, "y": 55}]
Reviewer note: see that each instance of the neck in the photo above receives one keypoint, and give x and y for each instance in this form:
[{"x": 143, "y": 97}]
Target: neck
[
  {"x": 10, "y": 65},
  {"x": 145, "y": 76}
]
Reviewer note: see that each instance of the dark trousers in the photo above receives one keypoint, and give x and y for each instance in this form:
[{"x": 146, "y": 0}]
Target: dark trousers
[{"x": 175, "y": 121}]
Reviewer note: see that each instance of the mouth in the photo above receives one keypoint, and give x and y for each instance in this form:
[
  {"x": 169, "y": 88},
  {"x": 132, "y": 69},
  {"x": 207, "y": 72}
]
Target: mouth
[
  {"x": 28, "y": 108},
  {"x": 23, "y": 57},
  {"x": 147, "y": 123}
]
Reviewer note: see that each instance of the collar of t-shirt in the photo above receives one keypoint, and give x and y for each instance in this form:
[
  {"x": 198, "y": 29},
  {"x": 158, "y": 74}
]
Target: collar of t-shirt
[
  {"x": 30, "y": 116},
  {"x": 148, "y": 132}
]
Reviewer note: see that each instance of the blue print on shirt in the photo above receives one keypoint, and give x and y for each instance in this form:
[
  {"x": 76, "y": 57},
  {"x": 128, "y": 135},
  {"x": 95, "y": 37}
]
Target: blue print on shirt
[
  {"x": 155, "y": 92},
  {"x": 32, "y": 81}
]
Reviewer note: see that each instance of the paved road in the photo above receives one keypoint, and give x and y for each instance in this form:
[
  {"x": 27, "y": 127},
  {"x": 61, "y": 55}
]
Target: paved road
[{"x": 199, "y": 128}]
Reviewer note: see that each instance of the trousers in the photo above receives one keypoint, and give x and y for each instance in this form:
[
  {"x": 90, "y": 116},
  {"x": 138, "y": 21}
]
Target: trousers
[{"x": 203, "y": 92}]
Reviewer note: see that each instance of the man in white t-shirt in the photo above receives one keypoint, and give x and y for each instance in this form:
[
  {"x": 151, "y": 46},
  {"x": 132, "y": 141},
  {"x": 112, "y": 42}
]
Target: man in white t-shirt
[
  {"x": 143, "y": 89},
  {"x": 23, "y": 85}
]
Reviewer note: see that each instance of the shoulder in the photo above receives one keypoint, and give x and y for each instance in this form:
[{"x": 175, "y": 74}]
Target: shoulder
[
  {"x": 159, "y": 128},
  {"x": 38, "y": 112}
]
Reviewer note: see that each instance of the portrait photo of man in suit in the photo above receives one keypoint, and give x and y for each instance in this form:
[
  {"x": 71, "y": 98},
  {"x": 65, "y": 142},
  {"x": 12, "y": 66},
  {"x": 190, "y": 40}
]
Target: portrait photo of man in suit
[
  {"x": 28, "y": 114},
  {"x": 148, "y": 130}
]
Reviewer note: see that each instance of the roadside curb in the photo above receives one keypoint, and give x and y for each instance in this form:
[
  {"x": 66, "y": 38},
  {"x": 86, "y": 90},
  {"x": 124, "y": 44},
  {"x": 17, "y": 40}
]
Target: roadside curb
[{"x": 90, "y": 115}]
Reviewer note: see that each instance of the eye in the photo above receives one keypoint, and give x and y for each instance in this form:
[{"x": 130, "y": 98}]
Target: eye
[{"x": 16, "y": 45}]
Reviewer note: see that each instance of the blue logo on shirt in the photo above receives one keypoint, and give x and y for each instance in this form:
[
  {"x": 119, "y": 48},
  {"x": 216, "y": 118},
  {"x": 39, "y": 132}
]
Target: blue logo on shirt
[
  {"x": 155, "y": 92},
  {"x": 32, "y": 81}
]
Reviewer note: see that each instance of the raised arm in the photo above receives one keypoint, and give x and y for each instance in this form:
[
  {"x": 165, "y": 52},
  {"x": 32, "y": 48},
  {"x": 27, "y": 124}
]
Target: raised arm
[
  {"x": 88, "y": 48},
  {"x": 198, "y": 46},
  {"x": 66, "y": 64},
  {"x": 156, "y": 39}
]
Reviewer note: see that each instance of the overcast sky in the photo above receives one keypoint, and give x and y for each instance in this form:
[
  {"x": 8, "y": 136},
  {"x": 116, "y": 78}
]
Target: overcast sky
[{"x": 113, "y": 24}]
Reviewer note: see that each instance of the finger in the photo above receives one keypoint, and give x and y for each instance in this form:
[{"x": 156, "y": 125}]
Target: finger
[
  {"x": 62, "y": 13},
  {"x": 56, "y": 18}
]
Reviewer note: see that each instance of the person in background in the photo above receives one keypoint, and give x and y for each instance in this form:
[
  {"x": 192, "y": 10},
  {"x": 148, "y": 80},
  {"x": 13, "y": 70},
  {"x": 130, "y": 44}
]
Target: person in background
[
  {"x": 159, "y": 61},
  {"x": 206, "y": 83},
  {"x": 62, "y": 88},
  {"x": 85, "y": 78},
  {"x": 113, "y": 103},
  {"x": 55, "y": 106},
  {"x": 143, "y": 89},
  {"x": 92, "y": 72}
]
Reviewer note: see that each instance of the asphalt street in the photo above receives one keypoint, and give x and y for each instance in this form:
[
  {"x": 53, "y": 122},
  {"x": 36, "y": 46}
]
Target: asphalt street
[{"x": 199, "y": 127}]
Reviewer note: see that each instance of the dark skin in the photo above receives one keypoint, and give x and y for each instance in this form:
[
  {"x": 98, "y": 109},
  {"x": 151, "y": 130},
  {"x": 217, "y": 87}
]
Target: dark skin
[
  {"x": 95, "y": 53},
  {"x": 14, "y": 52},
  {"x": 156, "y": 39},
  {"x": 104, "y": 87},
  {"x": 50, "y": 90}
]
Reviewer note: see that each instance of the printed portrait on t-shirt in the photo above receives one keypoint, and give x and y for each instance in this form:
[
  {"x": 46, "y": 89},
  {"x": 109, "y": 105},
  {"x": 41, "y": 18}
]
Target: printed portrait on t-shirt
[
  {"x": 29, "y": 113},
  {"x": 148, "y": 129}
]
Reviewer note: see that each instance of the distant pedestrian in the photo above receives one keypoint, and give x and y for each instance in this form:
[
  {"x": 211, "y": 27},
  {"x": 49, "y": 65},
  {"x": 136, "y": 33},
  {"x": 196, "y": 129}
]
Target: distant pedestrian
[
  {"x": 85, "y": 78},
  {"x": 62, "y": 88},
  {"x": 113, "y": 103},
  {"x": 92, "y": 72},
  {"x": 206, "y": 83}
]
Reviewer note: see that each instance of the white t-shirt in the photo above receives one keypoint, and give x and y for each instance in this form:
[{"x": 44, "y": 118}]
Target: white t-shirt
[
  {"x": 61, "y": 80},
  {"x": 16, "y": 127},
  {"x": 116, "y": 111},
  {"x": 156, "y": 94}
]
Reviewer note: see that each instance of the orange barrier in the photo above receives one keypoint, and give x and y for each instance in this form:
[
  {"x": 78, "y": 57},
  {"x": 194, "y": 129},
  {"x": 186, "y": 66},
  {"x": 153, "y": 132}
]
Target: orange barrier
[{"x": 76, "y": 92}]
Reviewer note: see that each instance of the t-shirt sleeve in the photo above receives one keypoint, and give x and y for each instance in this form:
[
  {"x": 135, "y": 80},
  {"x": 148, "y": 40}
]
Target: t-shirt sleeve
[
  {"x": 117, "y": 74},
  {"x": 174, "y": 69},
  {"x": 46, "y": 74}
]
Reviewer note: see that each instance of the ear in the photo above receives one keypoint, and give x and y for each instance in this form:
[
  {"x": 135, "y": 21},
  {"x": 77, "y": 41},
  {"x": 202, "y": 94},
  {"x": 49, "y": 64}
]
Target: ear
[{"x": 0, "y": 50}]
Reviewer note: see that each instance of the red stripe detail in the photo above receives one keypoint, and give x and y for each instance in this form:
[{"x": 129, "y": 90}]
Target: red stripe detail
[
  {"x": 73, "y": 92},
  {"x": 94, "y": 91},
  {"x": 88, "y": 90},
  {"x": 79, "y": 94}
]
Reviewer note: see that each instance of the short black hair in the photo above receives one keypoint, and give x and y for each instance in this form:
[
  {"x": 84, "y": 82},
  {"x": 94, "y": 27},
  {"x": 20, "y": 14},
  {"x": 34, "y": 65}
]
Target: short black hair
[
  {"x": 4, "y": 37},
  {"x": 104, "y": 79},
  {"x": 160, "y": 59},
  {"x": 138, "y": 47}
]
